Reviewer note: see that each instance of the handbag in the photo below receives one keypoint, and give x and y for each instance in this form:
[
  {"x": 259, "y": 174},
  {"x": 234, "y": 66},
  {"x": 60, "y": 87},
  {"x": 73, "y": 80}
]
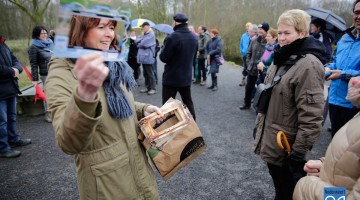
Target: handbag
[
  {"x": 262, "y": 97},
  {"x": 219, "y": 59}
]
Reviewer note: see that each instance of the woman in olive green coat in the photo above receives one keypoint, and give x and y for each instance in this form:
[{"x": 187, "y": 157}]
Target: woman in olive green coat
[{"x": 95, "y": 117}]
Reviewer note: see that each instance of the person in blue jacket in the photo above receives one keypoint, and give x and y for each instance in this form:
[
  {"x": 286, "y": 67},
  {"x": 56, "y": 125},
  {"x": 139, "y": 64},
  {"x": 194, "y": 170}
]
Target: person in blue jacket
[
  {"x": 346, "y": 64},
  {"x": 244, "y": 45}
]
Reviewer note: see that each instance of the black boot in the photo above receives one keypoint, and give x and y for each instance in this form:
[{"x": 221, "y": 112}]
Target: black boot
[
  {"x": 212, "y": 83},
  {"x": 215, "y": 84}
]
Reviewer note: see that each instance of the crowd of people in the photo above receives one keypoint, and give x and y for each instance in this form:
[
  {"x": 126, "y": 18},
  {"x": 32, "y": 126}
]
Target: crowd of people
[{"x": 94, "y": 114}]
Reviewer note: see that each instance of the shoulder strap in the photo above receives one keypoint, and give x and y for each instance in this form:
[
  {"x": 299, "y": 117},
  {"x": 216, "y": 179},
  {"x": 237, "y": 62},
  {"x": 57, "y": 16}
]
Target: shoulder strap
[{"x": 288, "y": 64}]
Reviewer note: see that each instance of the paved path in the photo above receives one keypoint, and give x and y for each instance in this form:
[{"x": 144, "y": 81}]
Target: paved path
[{"x": 227, "y": 170}]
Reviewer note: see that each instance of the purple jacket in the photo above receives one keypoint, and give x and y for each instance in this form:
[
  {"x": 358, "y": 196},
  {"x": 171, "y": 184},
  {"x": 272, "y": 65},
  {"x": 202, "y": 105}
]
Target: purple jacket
[{"x": 146, "y": 44}]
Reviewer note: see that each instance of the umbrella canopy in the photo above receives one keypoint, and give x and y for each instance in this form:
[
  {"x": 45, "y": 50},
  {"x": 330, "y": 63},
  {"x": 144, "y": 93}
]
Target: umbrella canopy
[
  {"x": 164, "y": 28},
  {"x": 334, "y": 22},
  {"x": 136, "y": 23}
]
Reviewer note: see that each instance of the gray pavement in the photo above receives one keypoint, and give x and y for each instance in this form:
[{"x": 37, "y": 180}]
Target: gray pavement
[{"x": 227, "y": 170}]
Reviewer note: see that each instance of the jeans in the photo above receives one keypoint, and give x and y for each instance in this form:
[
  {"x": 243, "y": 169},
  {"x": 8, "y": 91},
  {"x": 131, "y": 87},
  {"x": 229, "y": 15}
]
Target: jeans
[
  {"x": 339, "y": 116},
  {"x": 196, "y": 75},
  {"x": 154, "y": 68},
  {"x": 135, "y": 66},
  {"x": 149, "y": 76},
  {"x": 8, "y": 123},
  {"x": 43, "y": 79},
  {"x": 249, "y": 89},
  {"x": 201, "y": 69},
  {"x": 185, "y": 93},
  {"x": 244, "y": 72}
]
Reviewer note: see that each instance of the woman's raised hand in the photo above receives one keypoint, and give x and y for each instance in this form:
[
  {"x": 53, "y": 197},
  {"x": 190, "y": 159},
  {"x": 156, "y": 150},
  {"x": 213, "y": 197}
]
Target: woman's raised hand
[{"x": 91, "y": 72}]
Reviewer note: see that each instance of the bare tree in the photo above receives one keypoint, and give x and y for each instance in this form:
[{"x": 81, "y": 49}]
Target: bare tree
[{"x": 35, "y": 12}]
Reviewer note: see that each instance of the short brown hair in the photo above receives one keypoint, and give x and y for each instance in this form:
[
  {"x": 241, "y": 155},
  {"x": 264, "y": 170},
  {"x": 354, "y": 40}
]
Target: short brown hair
[
  {"x": 80, "y": 27},
  {"x": 273, "y": 33},
  {"x": 214, "y": 31}
]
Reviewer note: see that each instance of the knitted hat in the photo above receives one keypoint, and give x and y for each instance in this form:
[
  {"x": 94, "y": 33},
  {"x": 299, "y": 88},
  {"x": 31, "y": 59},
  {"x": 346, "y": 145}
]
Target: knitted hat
[{"x": 264, "y": 26}]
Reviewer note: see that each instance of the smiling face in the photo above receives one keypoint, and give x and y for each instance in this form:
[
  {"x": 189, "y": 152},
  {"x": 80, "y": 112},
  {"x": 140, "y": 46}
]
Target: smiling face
[
  {"x": 287, "y": 34},
  {"x": 101, "y": 36},
  {"x": 43, "y": 35},
  {"x": 261, "y": 32}
]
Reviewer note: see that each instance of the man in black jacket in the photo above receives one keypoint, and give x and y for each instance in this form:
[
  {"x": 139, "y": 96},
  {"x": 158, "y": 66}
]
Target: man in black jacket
[
  {"x": 178, "y": 54},
  {"x": 10, "y": 68}
]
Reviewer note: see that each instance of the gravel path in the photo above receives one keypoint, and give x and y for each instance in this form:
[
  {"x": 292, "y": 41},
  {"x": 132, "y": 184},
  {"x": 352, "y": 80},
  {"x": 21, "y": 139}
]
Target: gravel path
[{"x": 227, "y": 170}]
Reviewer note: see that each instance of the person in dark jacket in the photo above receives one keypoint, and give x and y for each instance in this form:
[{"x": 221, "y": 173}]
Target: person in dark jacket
[
  {"x": 201, "y": 54},
  {"x": 132, "y": 57},
  {"x": 214, "y": 48},
  {"x": 317, "y": 31},
  {"x": 10, "y": 68},
  {"x": 39, "y": 56},
  {"x": 178, "y": 54},
  {"x": 255, "y": 51}
]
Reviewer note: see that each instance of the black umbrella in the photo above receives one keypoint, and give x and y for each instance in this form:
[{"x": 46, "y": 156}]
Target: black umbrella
[{"x": 335, "y": 26}]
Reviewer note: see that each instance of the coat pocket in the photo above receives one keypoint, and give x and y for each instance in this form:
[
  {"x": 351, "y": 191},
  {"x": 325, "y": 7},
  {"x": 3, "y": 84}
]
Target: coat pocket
[
  {"x": 314, "y": 96},
  {"x": 144, "y": 58},
  {"x": 114, "y": 179},
  {"x": 285, "y": 102}
]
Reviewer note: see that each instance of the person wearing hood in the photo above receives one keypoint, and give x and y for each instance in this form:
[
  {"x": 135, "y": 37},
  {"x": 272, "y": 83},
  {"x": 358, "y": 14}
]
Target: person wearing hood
[
  {"x": 178, "y": 53},
  {"x": 340, "y": 167},
  {"x": 40, "y": 52},
  {"x": 296, "y": 103}
]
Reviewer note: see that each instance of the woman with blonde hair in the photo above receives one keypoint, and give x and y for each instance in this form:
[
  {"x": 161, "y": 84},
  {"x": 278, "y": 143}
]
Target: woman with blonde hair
[{"x": 296, "y": 102}]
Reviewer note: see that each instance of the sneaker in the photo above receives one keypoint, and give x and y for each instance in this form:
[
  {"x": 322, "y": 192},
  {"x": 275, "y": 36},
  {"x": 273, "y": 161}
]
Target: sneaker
[
  {"x": 21, "y": 142},
  {"x": 151, "y": 92},
  {"x": 215, "y": 88},
  {"x": 10, "y": 154},
  {"x": 203, "y": 83},
  {"x": 196, "y": 82},
  {"x": 144, "y": 90}
]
